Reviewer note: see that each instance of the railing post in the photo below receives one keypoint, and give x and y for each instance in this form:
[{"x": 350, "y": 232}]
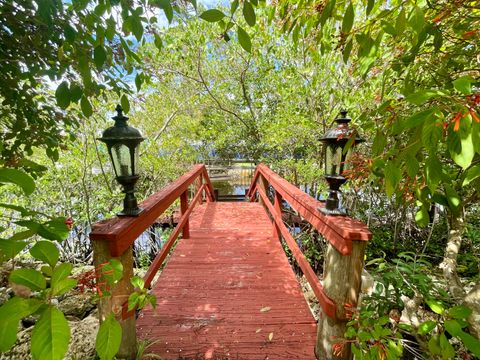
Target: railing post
[
  {"x": 278, "y": 208},
  {"x": 198, "y": 185},
  {"x": 342, "y": 283},
  {"x": 262, "y": 184},
  {"x": 183, "y": 209},
  {"x": 117, "y": 296}
]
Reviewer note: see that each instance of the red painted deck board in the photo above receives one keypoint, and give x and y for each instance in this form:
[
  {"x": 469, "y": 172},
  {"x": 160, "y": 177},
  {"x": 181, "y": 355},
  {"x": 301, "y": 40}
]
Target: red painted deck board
[{"x": 214, "y": 285}]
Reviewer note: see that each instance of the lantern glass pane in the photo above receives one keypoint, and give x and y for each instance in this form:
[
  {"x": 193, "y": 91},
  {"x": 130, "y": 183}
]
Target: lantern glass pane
[
  {"x": 135, "y": 155},
  {"x": 122, "y": 160},
  {"x": 333, "y": 159},
  {"x": 344, "y": 161}
]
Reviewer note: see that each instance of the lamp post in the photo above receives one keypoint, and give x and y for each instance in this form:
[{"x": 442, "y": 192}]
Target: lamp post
[
  {"x": 336, "y": 156},
  {"x": 122, "y": 143}
]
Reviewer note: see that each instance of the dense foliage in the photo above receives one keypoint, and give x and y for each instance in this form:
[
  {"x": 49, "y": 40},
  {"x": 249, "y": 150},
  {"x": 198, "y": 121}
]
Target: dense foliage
[{"x": 254, "y": 80}]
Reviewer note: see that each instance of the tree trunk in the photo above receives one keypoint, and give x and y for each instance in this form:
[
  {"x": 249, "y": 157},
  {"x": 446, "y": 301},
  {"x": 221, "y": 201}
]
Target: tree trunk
[
  {"x": 456, "y": 226},
  {"x": 472, "y": 300},
  {"x": 342, "y": 283}
]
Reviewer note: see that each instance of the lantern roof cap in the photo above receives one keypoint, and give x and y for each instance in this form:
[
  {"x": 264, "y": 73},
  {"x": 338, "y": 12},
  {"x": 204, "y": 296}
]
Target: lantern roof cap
[
  {"x": 121, "y": 131},
  {"x": 342, "y": 132}
]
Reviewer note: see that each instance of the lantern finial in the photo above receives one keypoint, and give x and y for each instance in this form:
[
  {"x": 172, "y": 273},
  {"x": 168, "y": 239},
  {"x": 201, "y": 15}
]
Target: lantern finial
[{"x": 120, "y": 119}]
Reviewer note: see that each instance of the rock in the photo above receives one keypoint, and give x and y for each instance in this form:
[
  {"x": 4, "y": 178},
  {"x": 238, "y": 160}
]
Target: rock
[
  {"x": 4, "y": 295},
  {"x": 82, "y": 341},
  {"x": 77, "y": 305},
  {"x": 83, "y": 335}
]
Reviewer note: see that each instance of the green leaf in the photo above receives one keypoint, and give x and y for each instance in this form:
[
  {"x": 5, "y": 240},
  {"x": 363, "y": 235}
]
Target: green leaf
[
  {"x": 168, "y": 9},
  {"x": 233, "y": 6},
  {"x": 448, "y": 351},
  {"x": 418, "y": 118},
  {"x": 393, "y": 175},
  {"x": 401, "y": 22},
  {"x": 212, "y": 15},
  {"x": 348, "y": 18},
  {"x": 47, "y": 270},
  {"x": 158, "y": 42},
  {"x": 461, "y": 149},
  {"x": 463, "y": 84},
  {"x": 244, "y": 39},
  {"x": 379, "y": 143},
  {"x": 22, "y": 235},
  {"x": 109, "y": 338},
  {"x": 426, "y": 327},
  {"x": 137, "y": 27},
  {"x": 10, "y": 248},
  {"x": 55, "y": 229},
  {"x": 133, "y": 301},
  {"x": 138, "y": 81},
  {"x": 327, "y": 11},
  {"x": 112, "y": 271},
  {"x": 433, "y": 172},
  {"x": 421, "y": 217},
  {"x": 10, "y": 314},
  {"x": 45, "y": 251},
  {"x": 86, "y": 106},
  {"x": 453, "y": 327},
  {"x": 76, "y": 92},
  {"x": 412, "y": 165},
  {"x": 471, "y": 343},
  {"x": 370, "y": 4},
  {"x": 459, "y": 312},
  {"x": 50, "y": 336},
  {"x": 8, "y": 333},
  {"x": 99, "y": 56},
  {"x": 347, "y": 50},
  {"x": 63, "y": 286},
  {"x": 62, "y": 94},
  {"x": 453, "y": 199},
  {"x": 125, "y": 103},
  {"x": 471, "y": 174},
  {"x": 137, "y": 282},
  {"x": 417, "y": 19},
  {"x": 389, "y": 28},
  {"x": 434, "y": 345},
  {"x": 436, "y": 306},
  {"x": 61, "y": 272},
  {"x": 30, "y": 278},
  {"x": 421, "y": 96},
  {"x": 19, "y": 178},
  {"x": 432, "y": 133},
  {"x": 249, "y": 13}
]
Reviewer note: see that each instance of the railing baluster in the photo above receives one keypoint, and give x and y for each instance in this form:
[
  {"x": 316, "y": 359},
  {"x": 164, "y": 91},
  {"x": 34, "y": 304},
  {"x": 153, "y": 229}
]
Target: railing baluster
[
  {"x": 183, "y": 209},
  {"x": 277, "y": 205}
]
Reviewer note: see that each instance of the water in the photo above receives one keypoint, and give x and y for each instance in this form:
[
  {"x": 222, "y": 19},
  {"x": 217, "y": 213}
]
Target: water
[{"x": 231, "y": 179}]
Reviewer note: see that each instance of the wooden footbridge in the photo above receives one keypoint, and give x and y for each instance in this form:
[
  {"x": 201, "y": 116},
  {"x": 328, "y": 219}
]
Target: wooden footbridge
[{"x": 227, "y": 290}]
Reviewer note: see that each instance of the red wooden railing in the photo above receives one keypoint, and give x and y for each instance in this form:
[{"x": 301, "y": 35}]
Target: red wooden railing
[
  {"x": 339, "y": 231},
  {"x": 121, "y": 232}
]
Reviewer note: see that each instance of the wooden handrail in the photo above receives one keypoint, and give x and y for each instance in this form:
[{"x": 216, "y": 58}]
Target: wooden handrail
[
  {"x": 340, "y": 231},
  {"x": 327, "y": 304},
  {"x": 121, "y": 232},
  {"x": 162, "y": 255}
]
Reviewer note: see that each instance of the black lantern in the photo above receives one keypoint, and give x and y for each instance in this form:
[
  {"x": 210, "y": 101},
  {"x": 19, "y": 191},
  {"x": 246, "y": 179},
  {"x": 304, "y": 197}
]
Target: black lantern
[
  {"x": 336, "y": 160},
  {"x": 122, "y": 143}
]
